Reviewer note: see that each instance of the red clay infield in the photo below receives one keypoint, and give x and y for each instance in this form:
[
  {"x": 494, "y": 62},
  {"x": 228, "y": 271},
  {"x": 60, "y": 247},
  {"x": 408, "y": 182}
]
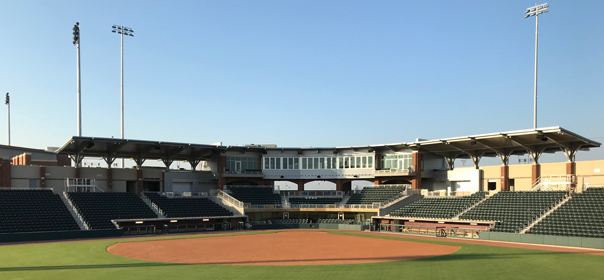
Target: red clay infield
[{"x": 282, "y": 248}]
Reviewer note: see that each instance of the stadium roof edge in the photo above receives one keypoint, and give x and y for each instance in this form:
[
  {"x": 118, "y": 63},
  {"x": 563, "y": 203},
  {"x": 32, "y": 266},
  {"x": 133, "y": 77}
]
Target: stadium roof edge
[{"x": 543, "y": 140}]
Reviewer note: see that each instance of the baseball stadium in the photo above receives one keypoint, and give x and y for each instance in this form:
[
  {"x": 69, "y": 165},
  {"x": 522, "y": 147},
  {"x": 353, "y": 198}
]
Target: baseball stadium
[{"x": 502, "y": 204}]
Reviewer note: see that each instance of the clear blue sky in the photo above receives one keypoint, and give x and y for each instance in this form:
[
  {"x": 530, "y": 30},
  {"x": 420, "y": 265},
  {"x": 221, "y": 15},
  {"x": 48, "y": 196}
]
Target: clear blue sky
[{"x": 301, "y": 73}]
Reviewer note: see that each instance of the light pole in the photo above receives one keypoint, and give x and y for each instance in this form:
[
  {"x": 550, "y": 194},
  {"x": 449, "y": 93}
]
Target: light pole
[
  {"x": 76, "y": 42},
  {"x": 7, "y": 102},
  {"x": 536, "y": 11},
  {"x": 128, "y": 32}
]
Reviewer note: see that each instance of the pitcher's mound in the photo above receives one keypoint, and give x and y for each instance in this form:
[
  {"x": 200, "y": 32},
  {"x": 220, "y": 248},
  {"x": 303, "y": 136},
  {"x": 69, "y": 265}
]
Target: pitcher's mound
[{"x": 283, "y": 248}]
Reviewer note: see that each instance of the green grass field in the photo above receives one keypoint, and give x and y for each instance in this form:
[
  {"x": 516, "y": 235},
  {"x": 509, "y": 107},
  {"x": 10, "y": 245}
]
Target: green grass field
[{"x": 90, "y": 260}]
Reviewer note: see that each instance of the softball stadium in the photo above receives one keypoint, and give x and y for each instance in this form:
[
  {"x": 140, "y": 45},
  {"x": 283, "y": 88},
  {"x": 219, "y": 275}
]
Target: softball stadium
[
  {"x": 503, "y": 204},
  {"x": 393, "y": 210}
]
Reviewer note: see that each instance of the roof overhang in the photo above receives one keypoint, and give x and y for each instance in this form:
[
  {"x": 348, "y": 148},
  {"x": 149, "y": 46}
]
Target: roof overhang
[{"x": 542, "y": 140}]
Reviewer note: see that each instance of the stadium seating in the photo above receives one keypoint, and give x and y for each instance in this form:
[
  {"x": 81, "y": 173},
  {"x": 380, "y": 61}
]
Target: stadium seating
[
  {"x": 439, "y": 208},
  {"x": 288, "y": 221},
  {"x": 256, "y": 195},
  {"x": 336, "y": 221},
  {"x": 314, "y": 200},
  {"x": 33, "y": 210},
  {"x": 581, "y": 216},
  {"x": 371, "y": 195},
  {"x": 99, "y": 208},
  {"x": 187, "y": 206},
  {"x": 514, "y": 210}
]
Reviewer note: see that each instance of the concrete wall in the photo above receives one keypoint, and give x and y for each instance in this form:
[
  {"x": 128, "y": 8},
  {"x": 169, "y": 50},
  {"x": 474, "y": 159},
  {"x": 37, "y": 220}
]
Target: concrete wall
[
  {"x": 432, "y": 163},
  {"x": 467, "y": 179},
  {"x": 590, "y": 172},
  {"x": 25, "y": 176},
  {"x": 202, "y": 181},
  {"x": 491, "y": 173},
  {"x": 597, "y": 243}
]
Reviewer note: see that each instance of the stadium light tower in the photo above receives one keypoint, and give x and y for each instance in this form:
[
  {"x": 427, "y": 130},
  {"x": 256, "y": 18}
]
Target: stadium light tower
[
  {"x": 536, "y": 11},
  {"x": 128, "y": 32},
  {"x": 7, "y": 102},
  {"x": 76, "y": 42}
]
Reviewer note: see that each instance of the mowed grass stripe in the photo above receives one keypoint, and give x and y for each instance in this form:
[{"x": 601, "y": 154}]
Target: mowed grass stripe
[{"x": 90, "y": 260}]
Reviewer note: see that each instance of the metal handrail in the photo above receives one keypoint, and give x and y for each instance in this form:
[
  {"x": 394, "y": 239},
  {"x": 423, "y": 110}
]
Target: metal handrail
[{"x": 75, "y": 210}]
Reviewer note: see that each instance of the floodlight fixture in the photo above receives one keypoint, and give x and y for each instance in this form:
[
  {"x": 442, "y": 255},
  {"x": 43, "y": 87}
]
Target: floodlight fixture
[
  {"x": 530, "y": 12},
  {"x": 128, "y": 32}
]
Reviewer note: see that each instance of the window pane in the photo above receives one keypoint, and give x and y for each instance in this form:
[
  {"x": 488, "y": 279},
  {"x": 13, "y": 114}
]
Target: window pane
[
  {"x": 296, "y": 163},
  {"x": 370, "y": 163},
  {"x": 266, "y": 165},
  {"x": 278, "y": 160},
  {"x": 304, "y": 163},
  {"x": 364, "y": 162},
  {"x": 316, "y": 163}
]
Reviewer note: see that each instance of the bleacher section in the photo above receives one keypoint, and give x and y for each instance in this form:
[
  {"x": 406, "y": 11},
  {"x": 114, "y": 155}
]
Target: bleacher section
[
  {"x": 256, "y": 195},
  {"x": 33, "y": 210},
  {"x": 514, "y": 210},
  {"x": 187, "y": 206},
  {"x": 314, "y": 200},
  {"x": 336, "y": 221},
  {"x": 439, "y": 208},
  {"x": 370, "y": 195},
  {"x": 99, "y": 208},
  {"x": 581, "y": 216},
  {"x": 288, "y": 221}
]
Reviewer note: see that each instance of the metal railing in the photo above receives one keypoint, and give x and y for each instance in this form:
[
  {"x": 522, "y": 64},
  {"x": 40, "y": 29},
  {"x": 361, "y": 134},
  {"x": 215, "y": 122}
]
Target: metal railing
[
  {"x": 81, "y": 185},
  {"x": 431, "y": 231},
  {"x": 375, "y": 205},
  {"x": 250, "y": 172},
  {"x": 395, "y": 170},
  {"x": 262, "y": 206},
  {"x": 75, "y": 210},
  {"x": 445, "y": 193},
  {"x": 304, "y": 206},
  {"x": 185, "y": 194},
  {"x": 153, "y": 203},
  {"x": 554, "y": 182},
  {"x": 228, "y": 200},
  {"x": 312, "y": 193}
]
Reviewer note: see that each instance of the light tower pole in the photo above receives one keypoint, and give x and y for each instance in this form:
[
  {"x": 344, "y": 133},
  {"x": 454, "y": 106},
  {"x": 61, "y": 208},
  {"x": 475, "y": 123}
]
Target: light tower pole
[
  {"x": 76, "y": 42},
  {"x": 536, "y": 11},
  {"x": 7, "y": 102},
  {"x": 128, "y": 32}
]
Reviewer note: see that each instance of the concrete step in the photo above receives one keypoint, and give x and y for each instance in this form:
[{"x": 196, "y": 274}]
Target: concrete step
[
  {"x": 74, "y": 212},
  {"x": 469, "y": 208},
  {"x": 400, "y": 204},
  {"x": 545, "y": 215},
  {"x": 152, "y": 206}
]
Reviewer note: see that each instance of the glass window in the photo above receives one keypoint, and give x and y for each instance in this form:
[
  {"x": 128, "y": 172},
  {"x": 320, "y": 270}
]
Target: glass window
[
  {"x": 341, "y": 162},
  {"x": 296, "y": 163},
  {"x": 316, "y": 163},
  {"x": 272, "y": 163},
  {"x": 364, "y": 162},
  {"x": 370, "y": 162},
  {"x": 358, "y": 162},
  {"x": 304, "y": 163},
  {"x": 278, "y": 160},
  {"x": 347, "y": 162}
]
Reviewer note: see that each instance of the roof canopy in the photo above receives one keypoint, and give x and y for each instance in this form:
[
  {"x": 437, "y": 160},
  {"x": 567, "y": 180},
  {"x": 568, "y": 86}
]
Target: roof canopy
[{"x": 502, "y": 144}]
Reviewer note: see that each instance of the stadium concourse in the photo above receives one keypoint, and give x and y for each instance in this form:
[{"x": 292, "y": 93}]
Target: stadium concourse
[{"x": 405, "y": 188}]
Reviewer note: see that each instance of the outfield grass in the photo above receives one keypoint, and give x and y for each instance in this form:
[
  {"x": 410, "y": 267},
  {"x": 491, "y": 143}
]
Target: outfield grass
[{"x": 90, "y": 260}]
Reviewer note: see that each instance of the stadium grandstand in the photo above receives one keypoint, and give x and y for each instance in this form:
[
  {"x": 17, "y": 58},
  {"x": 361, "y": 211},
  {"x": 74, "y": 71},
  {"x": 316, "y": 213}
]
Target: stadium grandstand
[{"x": 403, "y": 187}]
